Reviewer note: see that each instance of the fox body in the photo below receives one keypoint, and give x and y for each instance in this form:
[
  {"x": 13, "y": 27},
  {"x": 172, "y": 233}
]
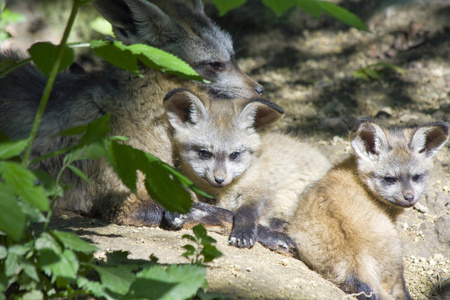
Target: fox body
[
  {"x": 223, "y": 147},
  {"x": 344, "y": 226},
  {"x": 135, "y": 103}
]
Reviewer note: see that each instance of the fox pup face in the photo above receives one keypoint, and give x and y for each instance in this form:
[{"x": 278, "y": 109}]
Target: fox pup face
[
  {"x": 218, "y": 140},
  {"x": 395, "y": 164}
]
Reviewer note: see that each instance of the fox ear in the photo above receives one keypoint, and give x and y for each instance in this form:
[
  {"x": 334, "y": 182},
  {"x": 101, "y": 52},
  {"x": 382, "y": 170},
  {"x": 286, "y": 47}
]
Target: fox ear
[
  {"x": 195, "y": 5},
  {"x": 183, "y": 107},
  {"x": 368, "y": 139},
  {"x": 429, "y": 138},
  {"x": 259, "y": 114},
  {"x": 135, "y": 20}
]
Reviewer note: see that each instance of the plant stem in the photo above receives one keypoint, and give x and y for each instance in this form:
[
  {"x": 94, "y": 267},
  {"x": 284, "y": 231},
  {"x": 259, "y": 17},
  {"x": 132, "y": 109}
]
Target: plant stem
[
  {"x": 14, "y": 65},
  {"x": 50, "y": 82}
]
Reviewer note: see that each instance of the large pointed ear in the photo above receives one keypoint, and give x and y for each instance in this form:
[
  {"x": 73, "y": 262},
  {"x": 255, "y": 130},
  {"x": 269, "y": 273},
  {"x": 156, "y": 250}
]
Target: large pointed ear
[
  {"x": 368, "y": 139},
  {"x": 259, "y": 114},
  {"x": 135, "y": 21},
  {"x": 183, "y": 107},
  {"x": 429, "y": 138},
  {"x": 195, "y": 5}
]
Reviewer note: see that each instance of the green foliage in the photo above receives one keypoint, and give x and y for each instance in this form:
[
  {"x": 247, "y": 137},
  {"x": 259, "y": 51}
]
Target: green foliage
[
  {"x": 44, "y": 55},
  {"x": 312, "y": 7},
  {"x": 375, "y": 71},
  {"x": 127, "y": 57},
  {"x": 204, "y": 251}
]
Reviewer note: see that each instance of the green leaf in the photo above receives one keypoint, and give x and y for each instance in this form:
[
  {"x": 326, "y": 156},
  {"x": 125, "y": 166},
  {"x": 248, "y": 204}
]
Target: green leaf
[
  {"x": 96, "y": 130},
  {"x": 226, "y": 5},
  {"x": 3, "y": 252},
  {"x": 173, "y": 282},
  {"x": 95, "y": 287},
  {"x": 72, "y": 241},
  {"x": 10, "y": 149},
  {"x": 12, "y": 266},
  {"x": 279, "y": 6},
  {"x": 102, "y": 26},
  {"x": 29, "y": 269},
  {"x": 44, "y": 55},
  {"x": 342, "y": 15},
  {"x": 117, "y": 279},
  {"x": 210, "y": 253},
  {"x": 311, "y": 7},
  {"x": 46, "y": 241},
  {"x": 12, "y": 222},
  {"x": 165, "y": 188},
  {"x": 199, "y": 231},
  {"x": 22, "y": 182},
  {"x": 63, "y": 265},
  {"x": 126, "y": 57},
  {"x": 79, "y": 173},
  {"x": 159, "y": 182},
  {"x": 73, "y": 131}
]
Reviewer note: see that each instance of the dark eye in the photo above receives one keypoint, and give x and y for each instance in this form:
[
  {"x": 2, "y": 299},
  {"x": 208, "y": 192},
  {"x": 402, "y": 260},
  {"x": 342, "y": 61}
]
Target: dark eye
[
  {"x": 390, "y": 179},
  {"x": 203, "y": 154},
  {"x": 234, "y": 155},
  {"x": 416, "y": 177},
  {"x": 217, "y": 66}
]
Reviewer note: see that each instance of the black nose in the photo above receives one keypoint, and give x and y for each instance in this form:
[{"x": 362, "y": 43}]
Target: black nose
[
  {"x": 409, "y": 197},
  {"x": 259, "y": 90},
  {"x": 219, "y": 180}
]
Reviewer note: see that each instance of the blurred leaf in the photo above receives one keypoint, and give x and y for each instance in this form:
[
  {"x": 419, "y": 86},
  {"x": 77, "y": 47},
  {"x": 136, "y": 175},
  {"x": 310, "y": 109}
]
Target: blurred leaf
[
  {"x": 311, "y": 7},
  {"x": 80, "y": 173},
  {"x": 44, "y": 55},
  {"x": 342, "y": 15},
  {"x": 279, "y": 7},
  {"x": 94, "y": 287},
  {"x": 225, "y": 5},
  {"x": 46, "y": 241},
  {"x": 172, "y": 282},
  {"x": 12, "y": 218},
  {"x": 159, "y": 180},
  {"x": 126, "y": 57},
  {"x": 117, "y": 279},
  {"x": 10, "y": 149},
  {"x": 23, "y": 182},
  {"x": 72, "y": 241},
  {"x": 374, "y": 71},
  {"x": 210, "y": 253},
  {"x": 102, "y": 26},
  {"x": 64, "y": 265}
]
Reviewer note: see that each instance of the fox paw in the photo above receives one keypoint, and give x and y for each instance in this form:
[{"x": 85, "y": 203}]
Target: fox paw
[
  {"x": 173, "y": 220},
  {"x": 243, "y": 238},
  {"x": 276, "y": 240}
]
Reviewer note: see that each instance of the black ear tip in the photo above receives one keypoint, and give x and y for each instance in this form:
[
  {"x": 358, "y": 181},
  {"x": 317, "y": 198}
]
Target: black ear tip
[
  {"x": 361, "y": 120},
  {"x": 175, "y": 91},
  {"x": 270, "y": 104}
]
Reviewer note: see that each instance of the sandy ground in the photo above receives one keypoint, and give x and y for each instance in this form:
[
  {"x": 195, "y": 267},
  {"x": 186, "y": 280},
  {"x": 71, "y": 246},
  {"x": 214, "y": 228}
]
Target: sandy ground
[{"x": 306, "y": 65}]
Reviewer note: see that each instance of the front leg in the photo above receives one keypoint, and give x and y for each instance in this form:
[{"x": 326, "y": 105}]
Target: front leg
[
  {"x": 245, "y": 224},
  {"x": 214, "y": 218}
]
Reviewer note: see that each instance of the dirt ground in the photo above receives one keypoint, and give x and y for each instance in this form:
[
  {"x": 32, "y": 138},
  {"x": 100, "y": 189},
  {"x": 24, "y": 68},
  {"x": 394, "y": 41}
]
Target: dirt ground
[{"x": 305, "y": 66}]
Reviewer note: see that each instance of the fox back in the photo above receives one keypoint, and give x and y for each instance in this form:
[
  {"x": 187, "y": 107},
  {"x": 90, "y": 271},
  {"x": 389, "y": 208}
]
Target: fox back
[
  {"x": 344, "y": 226},
  {"x": 223, "y": 147}
]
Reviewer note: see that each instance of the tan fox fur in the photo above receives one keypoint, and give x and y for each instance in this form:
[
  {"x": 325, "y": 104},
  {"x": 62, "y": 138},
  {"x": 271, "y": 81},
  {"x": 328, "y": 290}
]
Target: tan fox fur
[
  {"x": 345, "y": 225},
  {"x": 223, "y": 148},
  {"x": 135, "y": 103}
]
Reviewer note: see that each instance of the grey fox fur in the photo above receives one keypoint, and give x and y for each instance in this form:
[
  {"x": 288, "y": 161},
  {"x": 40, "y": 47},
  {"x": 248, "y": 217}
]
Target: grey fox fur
[
  {"x": 345, "y": 225},
  {"x": 223, "y": 147},
  {"x": 135, "y": 103}
]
